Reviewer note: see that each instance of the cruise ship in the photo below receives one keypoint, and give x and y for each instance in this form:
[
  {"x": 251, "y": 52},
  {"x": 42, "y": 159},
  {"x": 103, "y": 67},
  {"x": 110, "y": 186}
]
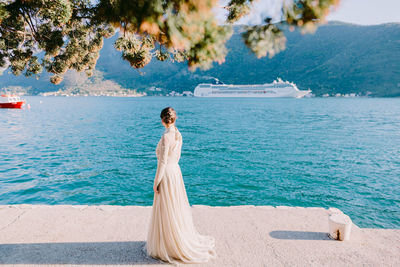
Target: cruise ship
[{"x": 278, "y": 88}]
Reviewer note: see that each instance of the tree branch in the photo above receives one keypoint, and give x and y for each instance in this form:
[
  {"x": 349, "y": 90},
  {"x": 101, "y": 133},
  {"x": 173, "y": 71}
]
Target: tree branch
[{"x": 28, "y": 21}]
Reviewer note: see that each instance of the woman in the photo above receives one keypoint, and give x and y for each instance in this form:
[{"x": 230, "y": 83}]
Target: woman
[{"x": 172, "y": 236}]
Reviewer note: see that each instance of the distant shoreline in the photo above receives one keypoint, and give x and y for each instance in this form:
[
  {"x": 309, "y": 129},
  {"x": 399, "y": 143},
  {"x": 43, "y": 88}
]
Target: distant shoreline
[{"x": 167, "y": 96}]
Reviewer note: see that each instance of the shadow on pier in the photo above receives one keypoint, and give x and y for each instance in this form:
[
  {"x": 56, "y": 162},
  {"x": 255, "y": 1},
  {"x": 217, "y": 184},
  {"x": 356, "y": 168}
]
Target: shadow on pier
[
  {"x": 300, "y": 235},
  {"x": 89, "y": 253}
]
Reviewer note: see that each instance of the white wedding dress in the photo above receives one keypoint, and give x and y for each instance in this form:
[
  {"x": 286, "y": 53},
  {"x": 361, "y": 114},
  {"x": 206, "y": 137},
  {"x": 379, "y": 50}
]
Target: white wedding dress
[{"x": 172, "y": 236}]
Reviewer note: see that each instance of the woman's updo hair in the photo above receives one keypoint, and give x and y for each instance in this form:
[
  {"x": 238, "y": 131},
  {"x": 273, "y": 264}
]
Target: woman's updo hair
[{"x": 168, "y": 115}]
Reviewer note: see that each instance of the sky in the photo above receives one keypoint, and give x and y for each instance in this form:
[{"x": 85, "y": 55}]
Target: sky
[
  {"x": 367, "y": 12},
  {"x": 364, "y": 12}
]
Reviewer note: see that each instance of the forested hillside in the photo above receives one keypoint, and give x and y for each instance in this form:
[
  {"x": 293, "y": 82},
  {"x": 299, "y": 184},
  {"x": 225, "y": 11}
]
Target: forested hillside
[{"x": 337, "y": 58}]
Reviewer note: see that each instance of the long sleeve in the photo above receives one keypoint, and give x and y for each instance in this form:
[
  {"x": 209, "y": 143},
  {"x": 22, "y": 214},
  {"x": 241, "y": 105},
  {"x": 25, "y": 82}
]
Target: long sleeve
[{"x": 163, "y": 158}]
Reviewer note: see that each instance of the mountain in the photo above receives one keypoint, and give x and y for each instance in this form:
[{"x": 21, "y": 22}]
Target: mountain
[{"x": 337, "y": 58}]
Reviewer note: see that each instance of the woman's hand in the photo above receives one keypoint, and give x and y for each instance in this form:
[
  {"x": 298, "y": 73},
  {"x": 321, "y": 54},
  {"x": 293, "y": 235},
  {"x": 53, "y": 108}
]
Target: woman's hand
[{"x": 155, "y": 188}]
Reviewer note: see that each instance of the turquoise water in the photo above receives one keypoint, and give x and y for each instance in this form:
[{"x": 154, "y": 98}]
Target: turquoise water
[{"x": 331, "y": 152}]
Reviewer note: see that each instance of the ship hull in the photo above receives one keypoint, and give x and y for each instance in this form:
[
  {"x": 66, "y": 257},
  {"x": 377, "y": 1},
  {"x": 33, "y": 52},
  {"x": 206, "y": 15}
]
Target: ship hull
[
  {"x": 264, "y": 91},
  {"x": 12, "y": 105},
  {"x": 299, "y": 95}
]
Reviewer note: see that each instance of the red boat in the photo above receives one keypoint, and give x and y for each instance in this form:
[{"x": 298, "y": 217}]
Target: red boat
[{"x": 11, "y": 101}]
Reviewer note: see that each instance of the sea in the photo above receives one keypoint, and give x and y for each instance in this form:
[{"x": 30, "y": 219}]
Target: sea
[{"x": 310, "y": 152}]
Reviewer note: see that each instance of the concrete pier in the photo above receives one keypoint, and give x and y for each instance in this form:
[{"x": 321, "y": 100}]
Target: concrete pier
[{"x": 245, "y": 236}]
